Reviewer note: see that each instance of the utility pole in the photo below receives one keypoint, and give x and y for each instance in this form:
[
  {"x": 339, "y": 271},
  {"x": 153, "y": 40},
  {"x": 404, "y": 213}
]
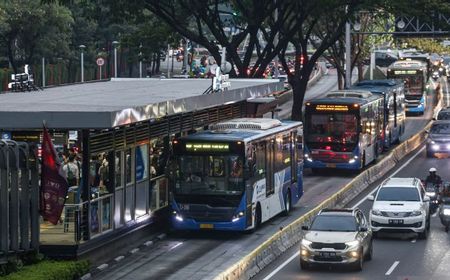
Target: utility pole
[{"x": 348, "y": 56}]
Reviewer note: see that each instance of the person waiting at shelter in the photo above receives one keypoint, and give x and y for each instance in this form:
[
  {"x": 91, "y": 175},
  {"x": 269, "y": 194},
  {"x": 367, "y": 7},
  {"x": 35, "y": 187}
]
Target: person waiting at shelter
[{"x": 71, "y": 171}]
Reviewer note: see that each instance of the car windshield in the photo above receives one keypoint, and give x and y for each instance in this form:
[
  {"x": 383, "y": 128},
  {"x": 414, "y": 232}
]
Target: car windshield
[
  {"x": 441, "y": 128},
  {"x": 334, "y": 223},
  {"x": 398, "y": 194},
  {"x": 445, "y": 115}
]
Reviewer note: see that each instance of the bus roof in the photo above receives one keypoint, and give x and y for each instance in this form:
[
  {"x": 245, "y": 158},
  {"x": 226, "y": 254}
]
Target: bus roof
[
  {"x": 383, "y": 82},
  {"x": 243, "y": 134},
  {"x": 352, "y": 96}
]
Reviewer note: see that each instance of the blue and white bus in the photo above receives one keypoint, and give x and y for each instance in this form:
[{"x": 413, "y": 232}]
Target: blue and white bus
[
  {"x": 343, "y": 130},
  {"x": 414, "y": 75},
  {"x": 394, "y": 117},
  {"x": 237, "y": 174}
]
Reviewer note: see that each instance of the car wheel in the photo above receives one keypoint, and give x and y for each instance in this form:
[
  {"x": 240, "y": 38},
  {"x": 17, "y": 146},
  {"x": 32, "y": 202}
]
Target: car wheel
[
  {"x": 369, "y": 251},
  {"x": 304, "y": 265},
  {"x": 424, "y": 233},
  {"x": 360, "y": 262},
  {"x": 287, "y": 203}
]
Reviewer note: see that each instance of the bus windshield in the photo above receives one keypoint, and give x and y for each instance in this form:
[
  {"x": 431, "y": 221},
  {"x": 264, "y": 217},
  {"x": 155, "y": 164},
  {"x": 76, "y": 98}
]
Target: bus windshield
[
  {"x": 413, "y": 84},
  {"x": 341, "y": 128},
  {"x": 210, "y": 175}
]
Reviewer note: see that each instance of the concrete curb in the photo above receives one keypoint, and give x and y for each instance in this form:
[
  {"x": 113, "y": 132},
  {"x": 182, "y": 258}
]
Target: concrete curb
[{"x": 251, "y": 264}]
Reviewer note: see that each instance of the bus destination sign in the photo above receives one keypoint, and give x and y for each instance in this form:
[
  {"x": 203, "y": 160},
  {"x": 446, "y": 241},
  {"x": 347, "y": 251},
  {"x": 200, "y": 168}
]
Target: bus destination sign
[
  {"x": 207, "y": 147},
  {"x": 332, "y": 107},
  {"x": 405, "y": 72}
]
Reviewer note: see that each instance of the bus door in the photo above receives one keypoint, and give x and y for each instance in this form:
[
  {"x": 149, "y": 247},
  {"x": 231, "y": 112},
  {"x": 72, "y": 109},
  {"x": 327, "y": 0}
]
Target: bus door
[
  {"x": 270, "y": 182},
  {"x": 251, "y": 174}
]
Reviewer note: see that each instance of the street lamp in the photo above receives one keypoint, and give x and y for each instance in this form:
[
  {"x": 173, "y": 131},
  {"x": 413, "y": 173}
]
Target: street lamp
[
  {"x": 401, "y": 24},
  {"x": 140, "y": 61},
  {"x": 82, "y": 47},
  {"x": 115, "y": 44}
]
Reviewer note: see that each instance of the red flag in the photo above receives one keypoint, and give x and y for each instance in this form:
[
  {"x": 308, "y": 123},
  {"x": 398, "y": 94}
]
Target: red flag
[{"x": 54, "y": 185}]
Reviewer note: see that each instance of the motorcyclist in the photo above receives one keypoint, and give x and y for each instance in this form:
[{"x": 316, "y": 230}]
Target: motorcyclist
[{"x": 433, "y": 177}]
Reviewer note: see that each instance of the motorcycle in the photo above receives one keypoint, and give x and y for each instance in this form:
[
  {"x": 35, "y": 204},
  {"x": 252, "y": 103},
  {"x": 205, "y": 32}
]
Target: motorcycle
[
  {"x": 444, "y": 213},
  {"x": 432, "y": 190}
]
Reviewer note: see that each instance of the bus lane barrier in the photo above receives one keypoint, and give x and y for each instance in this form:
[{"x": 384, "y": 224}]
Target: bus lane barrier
[{"x": 291, "y": 234}]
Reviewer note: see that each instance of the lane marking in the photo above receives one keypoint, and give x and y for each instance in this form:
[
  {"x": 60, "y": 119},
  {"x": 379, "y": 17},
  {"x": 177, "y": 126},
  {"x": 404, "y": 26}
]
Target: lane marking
[
  {"x": 175, "y": 246},
  {"x": 394, "y": 265},
  {"x": 393, "y": 174},
  {"x": 119, "y": 258},
  {"x": 135, "y": 250},
  {"x": 281, "y": 266},
  {"x": 413, "y": 241},
  {"x": 434, "y": 215}
]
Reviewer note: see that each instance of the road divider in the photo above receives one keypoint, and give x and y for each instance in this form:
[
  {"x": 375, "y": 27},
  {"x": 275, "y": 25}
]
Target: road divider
[{"x": 291, "y": 234}]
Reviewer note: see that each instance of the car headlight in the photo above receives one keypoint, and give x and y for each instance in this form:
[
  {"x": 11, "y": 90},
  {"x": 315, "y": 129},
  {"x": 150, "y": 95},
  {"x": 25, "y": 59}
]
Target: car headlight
[
  {"x": 416, "y": 213},
  {"x": 376, "y": 212},
  {"x": 431, "y": 141},
  {"x": 430, "y": 194},
  {"x": 353, "y": 243},
  {"x": 306, "y": 242},
  {"x": 446, "y": 212}
]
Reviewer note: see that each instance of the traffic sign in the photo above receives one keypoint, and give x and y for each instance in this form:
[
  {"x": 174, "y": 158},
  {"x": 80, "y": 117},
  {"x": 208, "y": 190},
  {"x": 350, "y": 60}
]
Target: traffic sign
[
  {"x": 6, "y": 135},
  {"x": 100, "y": 61}
]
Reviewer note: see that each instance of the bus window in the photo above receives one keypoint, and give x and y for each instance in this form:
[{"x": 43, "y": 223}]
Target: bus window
[{"x": 260, "y": 160}]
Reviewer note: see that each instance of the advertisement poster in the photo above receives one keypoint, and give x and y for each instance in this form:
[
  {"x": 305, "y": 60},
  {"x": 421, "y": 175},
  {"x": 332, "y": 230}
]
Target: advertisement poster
[{"x": 141, "y": 162}]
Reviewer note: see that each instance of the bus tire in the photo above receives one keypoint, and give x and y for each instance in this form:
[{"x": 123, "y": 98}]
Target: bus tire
[
  {"x": 363, "y": 160},
  {"x": 287, "y": 203},
  {"x": 258, "y": 216}
]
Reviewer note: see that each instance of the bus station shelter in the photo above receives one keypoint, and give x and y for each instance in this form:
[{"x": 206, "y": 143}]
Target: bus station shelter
[{"x": 121, "y": 132}]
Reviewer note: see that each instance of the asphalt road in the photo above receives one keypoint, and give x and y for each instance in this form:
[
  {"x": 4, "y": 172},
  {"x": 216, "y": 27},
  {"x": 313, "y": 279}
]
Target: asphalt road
[
  {"x": 203, "y": 255},
  {"x": 396, "y": 256}
]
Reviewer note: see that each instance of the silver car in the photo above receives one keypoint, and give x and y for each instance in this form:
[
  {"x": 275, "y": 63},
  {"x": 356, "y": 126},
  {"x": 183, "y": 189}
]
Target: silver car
[
  {"x": 337, "y": 236},
  {"x": 438, "y": 138}
]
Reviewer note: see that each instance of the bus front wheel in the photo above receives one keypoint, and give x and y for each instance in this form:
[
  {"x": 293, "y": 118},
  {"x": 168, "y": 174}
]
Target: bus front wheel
[
  {"x": 258, "y": 216},
  {"x": 287, "y": 203}
]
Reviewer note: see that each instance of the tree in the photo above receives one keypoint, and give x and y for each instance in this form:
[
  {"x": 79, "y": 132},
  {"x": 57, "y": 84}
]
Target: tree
[
  {"x": 361, "y": 44},
  {"x": 30, "y": 29}
]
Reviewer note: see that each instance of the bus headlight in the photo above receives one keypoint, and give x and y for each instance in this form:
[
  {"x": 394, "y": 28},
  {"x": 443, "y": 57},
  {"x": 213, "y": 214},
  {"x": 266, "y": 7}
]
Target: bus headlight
[
  {"x": 353, "y": 160},
  {"x": 308, "y": 158},
  {"x": 178, "y": 217},
  {"x": 237, "y": 216}
]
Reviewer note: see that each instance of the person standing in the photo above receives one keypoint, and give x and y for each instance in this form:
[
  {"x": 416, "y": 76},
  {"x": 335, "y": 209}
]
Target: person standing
[{"x": 71, "y": 171}]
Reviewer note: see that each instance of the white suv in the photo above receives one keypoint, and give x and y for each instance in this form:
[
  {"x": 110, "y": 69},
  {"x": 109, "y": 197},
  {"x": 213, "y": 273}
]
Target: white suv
[{"x": 400, "y": 205}]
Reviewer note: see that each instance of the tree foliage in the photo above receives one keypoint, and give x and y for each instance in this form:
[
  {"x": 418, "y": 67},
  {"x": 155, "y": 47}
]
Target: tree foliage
[{"x": 29, "y": 29}]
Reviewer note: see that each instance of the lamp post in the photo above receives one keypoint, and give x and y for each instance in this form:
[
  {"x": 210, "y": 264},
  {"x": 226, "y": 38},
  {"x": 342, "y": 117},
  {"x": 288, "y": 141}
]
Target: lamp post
[
  {"x": 115, "y": 44},
  {"x": 82, "y": 47},
  {"x": 43, "y": 72},
  {"x": 140, "y": 61}
]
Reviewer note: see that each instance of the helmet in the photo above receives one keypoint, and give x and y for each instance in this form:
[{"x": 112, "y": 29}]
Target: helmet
[{"x": 432, "y": 169}]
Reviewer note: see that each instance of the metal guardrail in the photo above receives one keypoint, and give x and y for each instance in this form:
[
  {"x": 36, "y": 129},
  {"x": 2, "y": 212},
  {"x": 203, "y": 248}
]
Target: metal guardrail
[{"x": 19, "y": 198}]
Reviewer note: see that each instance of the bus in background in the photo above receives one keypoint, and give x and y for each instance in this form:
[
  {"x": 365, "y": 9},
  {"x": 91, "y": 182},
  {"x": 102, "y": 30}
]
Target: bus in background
[
  {"x": 414, "y": 75},
  {"x": 236, "y": 175},
  {"x": 394, "y": 116},
  {"x": 417, "y": 56},
  {"x": 343, "y": 130}
]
